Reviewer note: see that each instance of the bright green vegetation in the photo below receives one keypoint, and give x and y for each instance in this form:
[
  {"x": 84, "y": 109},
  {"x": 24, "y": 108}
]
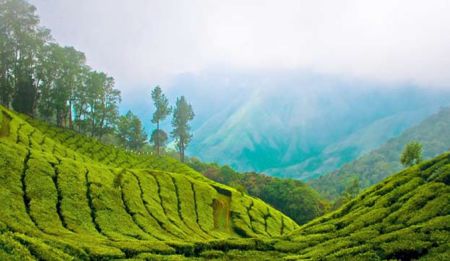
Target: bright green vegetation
[
  {"x": 292, "y": 197},
  {"x": 432, "y": 133},
  {"x": 406, "y": 216},
  {"x": 67, "y": 196}
]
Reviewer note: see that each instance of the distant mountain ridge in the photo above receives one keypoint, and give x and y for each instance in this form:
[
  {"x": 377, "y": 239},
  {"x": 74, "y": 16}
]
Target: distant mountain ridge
[
  {"x": 433, "y": 133},
  {"x": 298, "y": 126},
  {"x": 356, "y": 144}
]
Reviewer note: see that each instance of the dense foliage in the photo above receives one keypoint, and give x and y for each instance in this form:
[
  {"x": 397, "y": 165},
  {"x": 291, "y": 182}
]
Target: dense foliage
[
  {"x": 294, "y": 198},
  {"x": 40, "y": 78},
  {"x": 432, "y": 133},
  {"x": 130, "y": 132}
]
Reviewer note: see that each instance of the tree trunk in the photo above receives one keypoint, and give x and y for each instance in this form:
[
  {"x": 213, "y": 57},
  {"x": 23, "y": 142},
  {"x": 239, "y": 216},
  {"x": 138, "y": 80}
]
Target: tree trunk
[
  {"x": 70, "y": 115},
  {"x": 157, "y": 138},
  {"x": 181, "y": 150}
]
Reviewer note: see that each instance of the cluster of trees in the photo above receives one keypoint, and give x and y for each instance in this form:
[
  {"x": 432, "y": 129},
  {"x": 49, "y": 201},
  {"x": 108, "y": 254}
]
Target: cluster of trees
[
  {"x": 292, "y": 197},
  {"x": 182, "y": 115},
  {"x": 40, "y": 78}
]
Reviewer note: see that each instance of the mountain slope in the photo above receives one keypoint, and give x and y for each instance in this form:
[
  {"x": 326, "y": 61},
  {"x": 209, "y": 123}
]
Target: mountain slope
[
  {"x": 65, "y": 195},
  {"x": 294, "y": 124},
  {"x": 358, "y": 143},
  {"x": 433, "y": 133}
]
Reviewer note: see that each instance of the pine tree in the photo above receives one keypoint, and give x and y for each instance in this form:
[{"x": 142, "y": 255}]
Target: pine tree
[
  {"x": 159, "y": 137},
  {"x": 182, "y": 114}
]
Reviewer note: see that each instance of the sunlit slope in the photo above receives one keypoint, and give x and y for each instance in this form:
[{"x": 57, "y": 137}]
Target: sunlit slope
[
  {"x": 406, "y": 216},
  {"x": 64, "y": 195}
]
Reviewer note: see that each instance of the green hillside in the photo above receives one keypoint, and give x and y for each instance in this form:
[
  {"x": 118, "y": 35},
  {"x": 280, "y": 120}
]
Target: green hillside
[
  {"x": 406, "y": 216},
  {"x": 65, "y": 195},
  {"x": 433, "y": 133},
  {"x": 294, "y": 198}
]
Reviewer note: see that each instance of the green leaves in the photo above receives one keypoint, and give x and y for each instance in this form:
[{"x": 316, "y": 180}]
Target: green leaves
[
  {"x": 161, "y": 105},
  {"x": 159, "y": 137},
  {"x": 182, "y": 115},
  {"x": 131, "y": 132},
  {"x": 412, "y": 154},
  {"x": 41, "y": 78}
]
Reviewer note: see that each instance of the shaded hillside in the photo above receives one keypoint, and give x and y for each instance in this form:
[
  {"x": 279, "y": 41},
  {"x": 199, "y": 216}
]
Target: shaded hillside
[
  {"x": 297, "y": 125},
  {"x": 433, "y": 133},
  {"x": 292, "y": 197},
  {"x": 65, "y": 195}
]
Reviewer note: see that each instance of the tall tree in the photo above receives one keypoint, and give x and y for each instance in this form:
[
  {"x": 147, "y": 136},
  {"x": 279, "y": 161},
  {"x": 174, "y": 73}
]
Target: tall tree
[
  {"x": 70, "y": 63},
  {"x": 130, "y": 131},
  {"x": 102, "y": 102},
  {"x": 21, "y": 40},
  {"x": 81, "y": 101},
  {"x": 162, "y": 110},
  {"x": 182, "y": 115}
]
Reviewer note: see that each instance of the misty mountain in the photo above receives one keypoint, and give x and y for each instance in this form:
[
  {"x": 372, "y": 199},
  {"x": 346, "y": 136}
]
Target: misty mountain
[
  {"x": 297, "y": 125},
  {"x": 433, "y": 133}
]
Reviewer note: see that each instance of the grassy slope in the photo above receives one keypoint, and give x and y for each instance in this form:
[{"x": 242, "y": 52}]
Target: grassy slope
[
  {"x": 65, "y": 195},
  {"x": 433, "y": 133}
]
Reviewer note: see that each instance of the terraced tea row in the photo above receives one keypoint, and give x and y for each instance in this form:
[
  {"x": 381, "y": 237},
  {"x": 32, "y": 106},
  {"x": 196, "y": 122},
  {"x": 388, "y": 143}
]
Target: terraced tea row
[
  {"x": 108, "y": 154},
  {"x": 59, "y": 202}
]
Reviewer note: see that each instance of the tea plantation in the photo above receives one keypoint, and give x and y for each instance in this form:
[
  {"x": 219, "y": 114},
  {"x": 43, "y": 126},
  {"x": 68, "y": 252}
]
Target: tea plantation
[
  {"x": 68, "y": 196},
  {"x": 65, "y": 196}
]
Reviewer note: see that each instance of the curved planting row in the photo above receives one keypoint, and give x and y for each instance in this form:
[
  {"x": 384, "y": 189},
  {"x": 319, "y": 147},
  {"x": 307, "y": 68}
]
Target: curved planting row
[{"x": 60, "y": 200}]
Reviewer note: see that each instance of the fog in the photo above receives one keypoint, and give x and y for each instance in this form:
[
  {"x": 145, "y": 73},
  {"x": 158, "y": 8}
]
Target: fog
[{"x": 143, "y": 43}]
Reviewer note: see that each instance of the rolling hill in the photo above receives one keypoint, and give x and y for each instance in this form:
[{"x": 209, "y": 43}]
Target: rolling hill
[
  {"x": 65, "y": 196},
  {"x": 433, "y": 133}
]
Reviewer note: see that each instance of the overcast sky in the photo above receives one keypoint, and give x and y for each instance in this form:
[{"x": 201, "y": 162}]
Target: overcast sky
[{"x": 146, "y": 42}]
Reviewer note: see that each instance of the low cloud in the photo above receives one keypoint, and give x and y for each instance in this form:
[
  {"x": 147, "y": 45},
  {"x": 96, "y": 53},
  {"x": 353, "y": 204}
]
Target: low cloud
[{"x": 143, "y": 43}]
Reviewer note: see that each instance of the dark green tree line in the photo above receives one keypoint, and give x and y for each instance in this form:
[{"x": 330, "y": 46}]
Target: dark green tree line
[{"x": 40, "y": 78}]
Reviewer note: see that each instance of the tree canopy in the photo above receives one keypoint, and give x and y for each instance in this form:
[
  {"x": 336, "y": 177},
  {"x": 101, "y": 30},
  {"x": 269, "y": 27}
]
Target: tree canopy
[
  {"x": 162, "y": 110},
  {"x": 182, "y": 115},
  {"x": 130, "y": 131},
  {"x": 412, "y": 154}
]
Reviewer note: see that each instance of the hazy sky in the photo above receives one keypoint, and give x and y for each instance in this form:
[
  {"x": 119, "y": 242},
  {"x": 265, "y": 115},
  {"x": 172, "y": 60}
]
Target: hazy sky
[{"x": 145, "y": 42}]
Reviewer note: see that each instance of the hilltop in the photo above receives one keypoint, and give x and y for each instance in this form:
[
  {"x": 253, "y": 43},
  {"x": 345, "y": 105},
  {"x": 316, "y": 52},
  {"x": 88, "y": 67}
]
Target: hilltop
[{"x": 432, "y": 133}]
